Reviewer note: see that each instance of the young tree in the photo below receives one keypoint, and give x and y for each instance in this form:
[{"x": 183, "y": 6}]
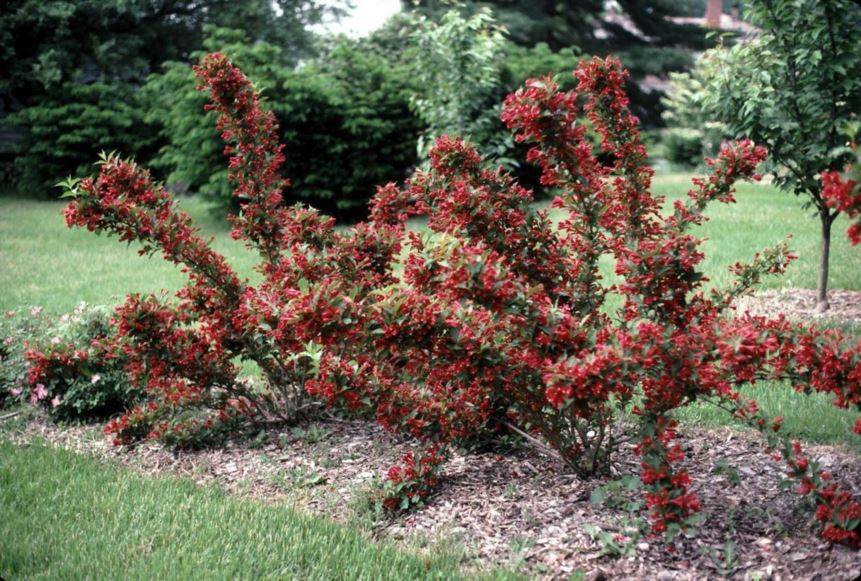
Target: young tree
[
  {"x": 793, "y": 87},
  {"x": 458, "y": 63}
]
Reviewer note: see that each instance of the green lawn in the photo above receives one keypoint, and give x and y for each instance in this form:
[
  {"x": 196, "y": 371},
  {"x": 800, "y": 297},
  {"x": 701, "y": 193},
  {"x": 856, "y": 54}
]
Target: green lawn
[
  {"x": 44, "y": 263},
  {"x": 63, "y": 515}
]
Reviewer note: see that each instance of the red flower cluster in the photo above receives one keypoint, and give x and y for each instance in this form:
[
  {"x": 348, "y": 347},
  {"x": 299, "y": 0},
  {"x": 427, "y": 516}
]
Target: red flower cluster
[
  {"x": 666, "y": 489},
  {"x": 842, "y": 191},
  {"x": 499, "y": 317},
  {"x": 255, "y": 154}
]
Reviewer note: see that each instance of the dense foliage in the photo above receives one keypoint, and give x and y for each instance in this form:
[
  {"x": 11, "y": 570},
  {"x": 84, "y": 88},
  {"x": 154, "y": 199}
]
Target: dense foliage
[
  {"x": 457, "y": 63},
  {"x": 347, "y": 112},
  {"x": 499, "y": 317},
  {"x": 646, "y": 36},
  {"x": 461, "y": 66},
  {"x": 72, "y": 70},
  {"x": 793, "y": 87},
  {"x": 64, "y": 365},
  {"x": 63, "y": 130},
  {"x": 691, "y": 133}
]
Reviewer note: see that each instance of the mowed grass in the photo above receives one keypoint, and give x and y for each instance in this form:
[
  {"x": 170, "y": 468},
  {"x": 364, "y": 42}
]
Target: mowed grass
[
  {"x": 44, "y": 263},
  {"x": 63, "y": 515}
]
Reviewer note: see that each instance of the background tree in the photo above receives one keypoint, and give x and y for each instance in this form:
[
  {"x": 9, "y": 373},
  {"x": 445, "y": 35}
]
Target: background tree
[
  {"x": 457, "y": 62},
  {"x": 591, "y": 26},
  {"x": 343, "y": 114},
  {"x": 793, "y": 87},
  {"x": 692, "y": 134},
  {"x": 71, "y": 70},
  {"x": 460, "y": 69},
  {"x": 644, "y": 35}
]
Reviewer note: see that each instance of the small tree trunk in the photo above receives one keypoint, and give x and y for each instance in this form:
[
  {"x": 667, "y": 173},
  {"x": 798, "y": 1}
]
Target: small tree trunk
[
  {"x": 822, "y": 289},
  {"x": 714, "y": 10}
]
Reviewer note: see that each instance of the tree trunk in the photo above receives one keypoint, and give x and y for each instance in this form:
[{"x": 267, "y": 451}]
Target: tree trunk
[
  {"x": 826, "y": 219},
  {"x": 714, "y": 9}
]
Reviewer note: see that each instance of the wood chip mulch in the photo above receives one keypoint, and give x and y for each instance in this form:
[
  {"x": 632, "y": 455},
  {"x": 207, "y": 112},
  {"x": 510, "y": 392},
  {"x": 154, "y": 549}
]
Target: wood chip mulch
[
  {"x": 800, "y": 305},
  {"x": 518, "y": 510}
]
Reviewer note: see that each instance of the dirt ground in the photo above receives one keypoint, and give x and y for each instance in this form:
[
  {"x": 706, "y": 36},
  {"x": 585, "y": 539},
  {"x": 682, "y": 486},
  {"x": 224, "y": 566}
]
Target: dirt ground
[{"x": 800, "y": 305}]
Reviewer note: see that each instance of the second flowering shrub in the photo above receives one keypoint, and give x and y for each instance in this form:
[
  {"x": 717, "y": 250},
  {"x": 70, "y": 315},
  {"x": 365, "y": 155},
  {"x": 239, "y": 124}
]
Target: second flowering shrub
[
  {"x": 64, "y": 364},
  {"x": 500, "y": 316},
  {"x": 842, "y": 191},
  {"x": 499, "y": 319}
]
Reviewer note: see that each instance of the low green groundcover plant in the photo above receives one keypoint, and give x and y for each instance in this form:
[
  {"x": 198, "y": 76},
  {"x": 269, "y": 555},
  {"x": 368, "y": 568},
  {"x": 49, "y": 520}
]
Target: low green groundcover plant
[
  {"x": 64, "y": 365},
  {"x": 499, "y": 319}
]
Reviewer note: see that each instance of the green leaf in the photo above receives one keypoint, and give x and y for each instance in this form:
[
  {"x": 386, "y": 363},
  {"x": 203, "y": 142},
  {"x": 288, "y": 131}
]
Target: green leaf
[{"x": 597, "y": 497}]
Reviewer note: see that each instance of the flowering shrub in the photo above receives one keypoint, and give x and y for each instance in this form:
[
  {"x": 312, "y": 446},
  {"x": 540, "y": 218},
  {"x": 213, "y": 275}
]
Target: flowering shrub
[
  {"x": 500, "y": 316},
  {"x": 314, "y": 281},
  {"x": 63, "y": 365},
  {"x": 411, "y": 482},
  {"x": 499, "y": 319},
  {"x": 842, "y": 191}
]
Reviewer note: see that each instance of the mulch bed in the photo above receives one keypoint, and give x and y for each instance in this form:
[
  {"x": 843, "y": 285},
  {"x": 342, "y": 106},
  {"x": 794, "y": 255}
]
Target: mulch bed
[
  {"x": 517, "y": 509},
  {"x": 800, "y": 305}
]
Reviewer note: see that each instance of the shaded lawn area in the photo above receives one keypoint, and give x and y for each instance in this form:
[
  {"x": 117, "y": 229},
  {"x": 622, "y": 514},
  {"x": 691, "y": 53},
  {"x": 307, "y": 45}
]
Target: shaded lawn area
[
  {"x": 66, "y": 515},
  {"x": 44, "y": 263}
]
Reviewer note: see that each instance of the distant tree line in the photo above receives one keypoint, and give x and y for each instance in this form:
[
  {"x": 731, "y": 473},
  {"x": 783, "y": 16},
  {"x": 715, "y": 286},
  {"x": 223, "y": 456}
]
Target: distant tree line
[{"x": 89, "y": 75}]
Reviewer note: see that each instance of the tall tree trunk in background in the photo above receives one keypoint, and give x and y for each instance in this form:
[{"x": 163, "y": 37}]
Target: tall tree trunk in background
[
  {"x": 826, "y": 219},
  {"x": 714, "y": 9}
]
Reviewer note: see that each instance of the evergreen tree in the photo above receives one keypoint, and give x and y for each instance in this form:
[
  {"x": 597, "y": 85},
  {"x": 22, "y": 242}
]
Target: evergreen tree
[{"x": 71, "y": 70}]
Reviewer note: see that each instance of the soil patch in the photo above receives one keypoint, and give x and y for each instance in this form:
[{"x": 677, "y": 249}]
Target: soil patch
[{"x": 800, "y": 305}]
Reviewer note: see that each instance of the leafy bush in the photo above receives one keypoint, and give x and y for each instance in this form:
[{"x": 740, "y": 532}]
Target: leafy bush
[
  {"x": 64, "y": 365},
  {"x": 464, "y": 66},
  {"x": 692, "y": 133},
  {"x": 499, "y": 318},
  {"x": 65, "y": 130},
  {"x": 522, "y": 63},
  {"x": 347, "y": 114},
  {"x": 350, "y": 105},
  {"x": 683, "y": 145},
  {"x": 456, "y": 61}
]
